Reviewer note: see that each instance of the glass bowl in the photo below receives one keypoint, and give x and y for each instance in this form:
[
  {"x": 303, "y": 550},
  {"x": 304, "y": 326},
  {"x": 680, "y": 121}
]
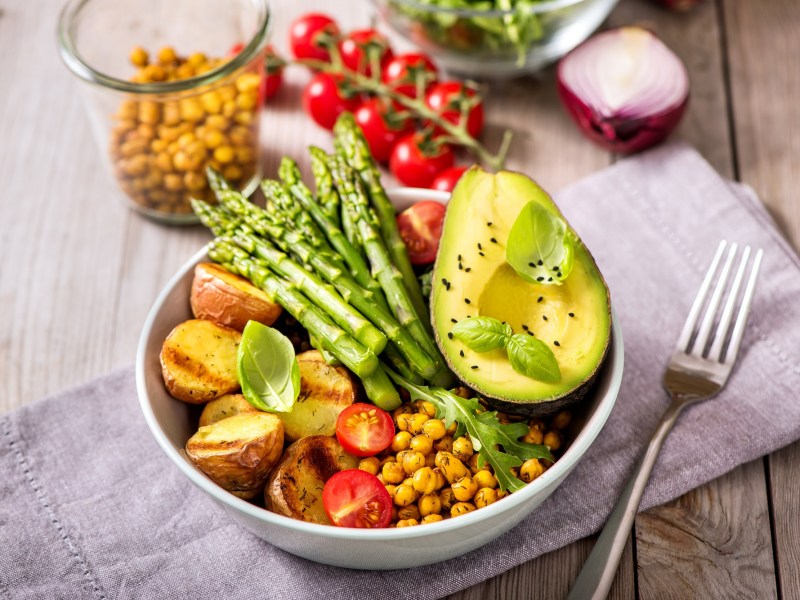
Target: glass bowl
[
  {"x": 476, "y": 39},
  {"x": 166, "y": 95}
]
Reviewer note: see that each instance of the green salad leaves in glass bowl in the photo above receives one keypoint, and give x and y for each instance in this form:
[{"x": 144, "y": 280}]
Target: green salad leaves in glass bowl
[{"x": 494, "y": 38}]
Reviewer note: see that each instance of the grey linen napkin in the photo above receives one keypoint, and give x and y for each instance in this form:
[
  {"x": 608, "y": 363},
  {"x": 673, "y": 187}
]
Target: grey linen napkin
[{"x": 90, "y": 507}]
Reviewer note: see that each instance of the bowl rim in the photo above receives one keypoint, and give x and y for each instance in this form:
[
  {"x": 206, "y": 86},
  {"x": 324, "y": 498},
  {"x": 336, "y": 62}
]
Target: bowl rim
[
  {"x": 76, "y": 63},
  {"x": 539, "y": 8},
  {"x": 559, "y": 469}
]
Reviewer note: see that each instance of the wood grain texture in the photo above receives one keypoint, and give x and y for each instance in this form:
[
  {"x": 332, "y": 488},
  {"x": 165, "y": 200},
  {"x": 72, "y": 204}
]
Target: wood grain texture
[
  {"x": 762, "y": 42},
  {"x": 78, "y": 272}
]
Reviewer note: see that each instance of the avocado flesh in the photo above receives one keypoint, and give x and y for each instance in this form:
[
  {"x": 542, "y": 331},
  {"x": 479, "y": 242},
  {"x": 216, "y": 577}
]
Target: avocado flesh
[{"x": 484, "y": 206}]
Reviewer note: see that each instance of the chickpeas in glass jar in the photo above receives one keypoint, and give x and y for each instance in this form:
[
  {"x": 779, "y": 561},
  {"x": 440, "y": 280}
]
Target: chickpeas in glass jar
[{"x": 160, "y": 146}]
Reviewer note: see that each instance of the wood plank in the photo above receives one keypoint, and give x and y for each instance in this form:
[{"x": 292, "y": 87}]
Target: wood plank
[
  {"x": 62, "y": 228},
  {"x": 713, "y": 542},
  {"x": 765, "y": 85}
]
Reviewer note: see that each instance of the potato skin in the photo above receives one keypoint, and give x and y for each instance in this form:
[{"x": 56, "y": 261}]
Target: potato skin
[
  {"x": 228, "y": 299},
  {"x": 294, "y": 487},
  {"x": 325, "y": 391},
  {"x": 224, "y": 407},
  {"x": 198, "y": 361},
  {"x": 238, "y": 453}
]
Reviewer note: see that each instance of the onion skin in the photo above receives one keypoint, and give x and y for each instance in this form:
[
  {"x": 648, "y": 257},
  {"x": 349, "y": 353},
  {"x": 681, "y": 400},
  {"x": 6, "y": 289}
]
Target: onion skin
[
  {"x": 626, "y": 130},
  {"x": 623, "y": 136}
]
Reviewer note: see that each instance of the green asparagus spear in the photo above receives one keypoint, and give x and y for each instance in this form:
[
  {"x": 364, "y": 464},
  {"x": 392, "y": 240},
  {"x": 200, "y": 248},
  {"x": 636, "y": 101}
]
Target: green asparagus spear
[
  {"x": 326, "y": 196},
  {"x": 246, "y": 237},
  {"x": 352, "y": 195},
  {"x": 290, "y": 174},
  {"x": 350, "y": 351},
  {"x": 352, "y": 146}
]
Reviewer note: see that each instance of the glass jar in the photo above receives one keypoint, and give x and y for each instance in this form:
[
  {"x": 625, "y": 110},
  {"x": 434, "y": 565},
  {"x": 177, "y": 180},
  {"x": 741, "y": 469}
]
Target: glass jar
[{"x": 173, "y": 87}]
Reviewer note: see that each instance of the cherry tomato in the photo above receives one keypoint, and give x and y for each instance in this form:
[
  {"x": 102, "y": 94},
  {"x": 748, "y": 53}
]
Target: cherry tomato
[
  {"x": 403, "y": 70},
  {"x": 271, "y": 82},
  {"x": 364, "y": 429},
  {"x": 355, "y": 498},
  {"x": 415, "y": 164},
  {"x": 235, "y": 49},
  {"x": 446, "y": 98},
  {"x": 421, "y": 227},
  {"x": 374, "y": 116},
  {"x": 358, "y": 48},
  {"x": 447, "y": 179},
  {"x": 304, "y": 35},
  {"x": 324, "y": 100}
]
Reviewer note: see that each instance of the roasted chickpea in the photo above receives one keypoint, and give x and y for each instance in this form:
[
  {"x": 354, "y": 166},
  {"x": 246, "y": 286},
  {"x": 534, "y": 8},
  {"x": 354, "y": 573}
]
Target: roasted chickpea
[
  {"x": 370, "y": 464},
  {"x": 462, "y": 448},
  {"x": 562, "y": 420},
  {"x": 409, "y": 512},
  {"x": 484, "y": 497},
  {"x": 417, "y": 422},
  {"x": 429, "y": 504},
  {"x": 432, "y": 518},
  {"x": 421, "y": 443},
  {"x": 413, "y": 462},
  {"x": 530, "y": 470},
  {"x": 484, "y": 479},
  {"x": 451, "y": 467},
  {"x": 404, "y": 495},
  {"x": 425, "y": 480},
  {"x": 464, "y": 489},
  {"x": 434, "y": 429},
  {"x": 401, "y": 441},
  {"x": 407, "y": 523},
  {"x": 461, "y": 508},
  {"x": 393, "y": 472},
  {"x": 552, "y": 439}
]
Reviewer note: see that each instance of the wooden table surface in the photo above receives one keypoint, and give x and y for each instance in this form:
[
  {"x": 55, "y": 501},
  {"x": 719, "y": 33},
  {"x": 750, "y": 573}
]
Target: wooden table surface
[{"x": 78, "y": 271}]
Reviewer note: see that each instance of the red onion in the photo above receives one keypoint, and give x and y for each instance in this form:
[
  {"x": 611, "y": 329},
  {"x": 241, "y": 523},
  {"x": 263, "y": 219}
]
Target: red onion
[{"x": 624, "y": 88}]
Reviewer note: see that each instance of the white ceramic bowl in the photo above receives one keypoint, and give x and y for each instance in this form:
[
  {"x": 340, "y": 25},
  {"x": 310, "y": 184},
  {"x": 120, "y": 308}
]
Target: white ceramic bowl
[{"x": 172, "y": 423}]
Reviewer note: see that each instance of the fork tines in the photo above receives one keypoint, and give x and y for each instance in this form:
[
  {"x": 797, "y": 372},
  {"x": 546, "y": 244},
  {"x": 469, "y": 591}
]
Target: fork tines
[{"x": 724, "y": 340}]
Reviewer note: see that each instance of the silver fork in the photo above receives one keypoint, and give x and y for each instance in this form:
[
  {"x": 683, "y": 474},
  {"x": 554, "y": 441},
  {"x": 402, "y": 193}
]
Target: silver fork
[{"x": 695, "y": 372}]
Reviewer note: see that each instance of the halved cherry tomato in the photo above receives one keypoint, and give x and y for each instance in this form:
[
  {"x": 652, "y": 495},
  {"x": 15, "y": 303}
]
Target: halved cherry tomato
[
  {"x": 416, "y": 161},
  {"x": 447, "y": 99},
  {"x": 421, "y": 227},
  {"x": 324, "y": 100},
  {"x": 375, "y": 117},
  {"x": 364, "y": 429},
  {"x": 447, "y": 179},
  {"x": 304, "y": 35},
  {"x": 402, "y": 72},
  {"x": 355, "y": 498},
  {"x": 358, "y": 48}
]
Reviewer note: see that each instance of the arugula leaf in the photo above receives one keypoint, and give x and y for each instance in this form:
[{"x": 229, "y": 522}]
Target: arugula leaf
[
  {"x": 533, "y": 358},
  {"x": 482, "y": 333},
  {"x": 540, "y": 246},
  {"x": 496, "y": 443},
  {"x": 267, "y": 368}
]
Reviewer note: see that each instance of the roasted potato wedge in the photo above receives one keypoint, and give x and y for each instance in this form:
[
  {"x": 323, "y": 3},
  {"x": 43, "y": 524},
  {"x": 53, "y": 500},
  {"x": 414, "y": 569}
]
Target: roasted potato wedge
[
  {"x": 228, "y": 299},
  {"x": 238, "y": 453},
  {"x": 325, "y": 391},
  {"x": 224, "y": 407},
  {"x": 294, "y": 487},
  {"x": 198, "y": 361}
]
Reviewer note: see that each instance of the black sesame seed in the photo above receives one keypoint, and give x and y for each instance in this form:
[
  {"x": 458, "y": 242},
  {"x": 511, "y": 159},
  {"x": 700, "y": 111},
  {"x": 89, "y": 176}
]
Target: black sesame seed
[
  {"x": 571, "y": 314},
  {"x": 544, "y": 317},
  {"x": 453, "y": 321},
  {"x": 555, "y": 268},
  {"x": 489, "y": 224},
  {"x": 540, "y": 262},
  {"x": 556, "y": 343},
  {"x": 494, "y": 241},
  {"x": 474, "y": 367},
  {"x": 481, "y": 253},
  {"x": 461, "y": 352},
  {"x": 468, "y": 269},
  {"x": 525, "y": 327},
  {"x": 450, "y": 335},
  {"x": 466, "y": 300},
  {"x": 444, "y": 281},
  {"x": 558, "y": 274},
  {"x": 540, "y": 298},
  {"x": 479, "y": 246},
  {"x": 531, "y": 265},
  {"x": 460, "y": 267},
  {"x": 549, "y": 279},
  {"x": 530, "y": 333},
  {"x": 459, "y": 258},
  {"x": 540, "y": 278}
]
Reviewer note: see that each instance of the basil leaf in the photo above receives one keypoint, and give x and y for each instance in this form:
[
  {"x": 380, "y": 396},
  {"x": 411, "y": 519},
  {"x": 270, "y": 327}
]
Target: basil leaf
[
  {"x": 540, "y": 246},
  {"x": 267, "y": 368},
  {"x": 533, "y": 358},
  {"x": 482, "y": 334}
]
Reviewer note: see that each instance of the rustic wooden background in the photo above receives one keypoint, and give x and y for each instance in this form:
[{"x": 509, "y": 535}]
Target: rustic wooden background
[{"x": 78, "y": 271}]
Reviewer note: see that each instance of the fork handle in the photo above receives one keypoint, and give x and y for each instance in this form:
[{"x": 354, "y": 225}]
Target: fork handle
[{"x": 594, "y": 580}]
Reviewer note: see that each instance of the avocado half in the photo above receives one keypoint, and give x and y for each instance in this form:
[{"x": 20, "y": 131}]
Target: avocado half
[{"x": 471, "y": 277}]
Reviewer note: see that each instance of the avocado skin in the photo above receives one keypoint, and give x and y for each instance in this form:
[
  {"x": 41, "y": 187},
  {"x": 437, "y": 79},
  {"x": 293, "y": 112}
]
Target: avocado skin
[{"x": 531, "y": 406}]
